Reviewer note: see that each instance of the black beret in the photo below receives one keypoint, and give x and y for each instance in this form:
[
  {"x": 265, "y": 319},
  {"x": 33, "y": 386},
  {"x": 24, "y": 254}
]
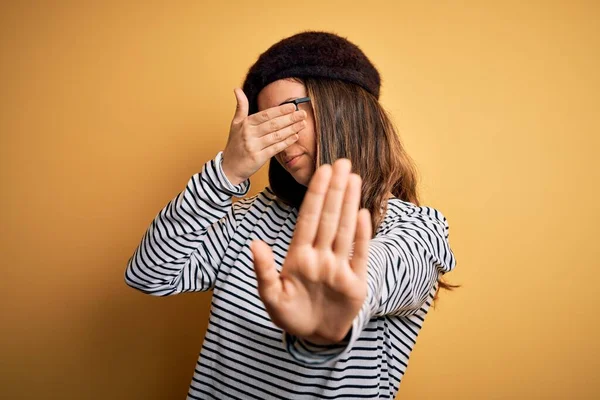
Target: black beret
[{"x": 311, "y": 54}]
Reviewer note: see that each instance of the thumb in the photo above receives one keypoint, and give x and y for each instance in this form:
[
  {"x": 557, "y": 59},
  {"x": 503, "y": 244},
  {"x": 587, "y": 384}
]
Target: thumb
[
  {"x": 269, "y": 283},
  {"x": 241, "y": 110}
]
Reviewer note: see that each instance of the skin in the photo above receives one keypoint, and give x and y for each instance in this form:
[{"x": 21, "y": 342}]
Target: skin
[
  {"x": 276, "y": 93},
  {"x": 320, "y": 289}
]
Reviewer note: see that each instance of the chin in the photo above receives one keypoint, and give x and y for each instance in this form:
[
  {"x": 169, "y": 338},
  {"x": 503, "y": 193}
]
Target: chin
[{"x": 301, "y": 180}]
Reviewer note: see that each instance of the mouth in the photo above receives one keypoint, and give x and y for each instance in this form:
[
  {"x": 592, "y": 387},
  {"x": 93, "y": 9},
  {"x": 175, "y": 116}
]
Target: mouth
[{"x": 292, "y": 160}]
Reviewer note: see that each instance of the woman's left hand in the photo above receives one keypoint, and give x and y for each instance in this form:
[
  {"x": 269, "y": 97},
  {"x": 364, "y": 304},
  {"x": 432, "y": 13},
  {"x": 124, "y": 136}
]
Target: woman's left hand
[{"x": 320, "y": 289}]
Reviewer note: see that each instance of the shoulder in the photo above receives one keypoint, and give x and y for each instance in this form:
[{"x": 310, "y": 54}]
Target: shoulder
[
  {"x": 420, "y": 230},
  {"x": 401, "y": 213}
]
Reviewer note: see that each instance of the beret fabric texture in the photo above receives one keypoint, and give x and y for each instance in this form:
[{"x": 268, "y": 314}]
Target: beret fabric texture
[{"x": 311, "y": 54}]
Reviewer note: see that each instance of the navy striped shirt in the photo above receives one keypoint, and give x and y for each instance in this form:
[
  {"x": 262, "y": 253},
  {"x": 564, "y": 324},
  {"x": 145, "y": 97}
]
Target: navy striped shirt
[{"x": 200, "y": 241}]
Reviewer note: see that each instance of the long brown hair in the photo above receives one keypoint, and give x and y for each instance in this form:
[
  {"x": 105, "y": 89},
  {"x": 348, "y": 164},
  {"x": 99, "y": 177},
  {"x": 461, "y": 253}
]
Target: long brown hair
[{"x": 351, "y": 123}]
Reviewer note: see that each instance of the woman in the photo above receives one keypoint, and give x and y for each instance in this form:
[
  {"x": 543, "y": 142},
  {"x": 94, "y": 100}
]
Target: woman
[{"x": 322, "y": 281}]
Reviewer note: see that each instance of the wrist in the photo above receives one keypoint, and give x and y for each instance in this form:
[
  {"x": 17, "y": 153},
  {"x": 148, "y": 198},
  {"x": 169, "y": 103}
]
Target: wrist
[
  {"x": 323, "y": 341},
  {"x": 231, "y": 177}
]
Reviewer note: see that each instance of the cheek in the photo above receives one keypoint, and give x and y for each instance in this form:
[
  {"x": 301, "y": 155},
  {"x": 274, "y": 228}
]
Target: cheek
[
  {"x": 312, "y": 141},
  {"x": 308, "y": 135},
  {"x": 279, "y": 159}
]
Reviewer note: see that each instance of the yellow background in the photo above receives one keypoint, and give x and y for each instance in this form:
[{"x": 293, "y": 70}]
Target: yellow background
[{"x": 107, "y": 110}]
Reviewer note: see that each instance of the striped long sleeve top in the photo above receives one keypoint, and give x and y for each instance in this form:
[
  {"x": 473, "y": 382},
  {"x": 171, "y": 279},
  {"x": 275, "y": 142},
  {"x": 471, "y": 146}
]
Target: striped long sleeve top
[{"x": 200, "y": 241}]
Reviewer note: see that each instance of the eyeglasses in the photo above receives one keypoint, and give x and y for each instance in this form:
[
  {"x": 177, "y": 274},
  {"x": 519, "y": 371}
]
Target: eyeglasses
[{"x": 297, "y": 101}]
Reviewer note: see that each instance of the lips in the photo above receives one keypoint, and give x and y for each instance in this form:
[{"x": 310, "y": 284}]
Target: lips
[{"x": 288, "y": 159}]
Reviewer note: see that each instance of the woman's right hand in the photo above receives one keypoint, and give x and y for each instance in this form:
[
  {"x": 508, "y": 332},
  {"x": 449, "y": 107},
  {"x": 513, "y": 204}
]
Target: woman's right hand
[{"x": 254, "y": 139}]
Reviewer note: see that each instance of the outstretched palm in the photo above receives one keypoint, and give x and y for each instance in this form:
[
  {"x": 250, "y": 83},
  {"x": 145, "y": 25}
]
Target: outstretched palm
[{"x": 323, "y": 282}]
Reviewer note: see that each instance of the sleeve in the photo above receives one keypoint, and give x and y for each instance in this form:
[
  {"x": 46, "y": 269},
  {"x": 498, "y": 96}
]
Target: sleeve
[
  {"x": 405, "y": 263},
  {"x": 182, "y": 249}
]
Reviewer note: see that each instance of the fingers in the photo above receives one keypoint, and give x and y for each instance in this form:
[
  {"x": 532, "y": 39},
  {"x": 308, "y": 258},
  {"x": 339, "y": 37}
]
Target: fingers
[
  {"x": 246, "y": 151},
  {"x": 348, "y": 220},
  {"x": 271, "y": 113},
  {"x": 309, "y": 215},
  {"x": 361, "y": 245},
  {"x": 330, "y": 216},
  {"x": 281, "y": 122},
  {"x": 282, "y": 134},
  {"x": 271, "y": 126},
  {"x": 278, "y": 147},
  {"x": 269, "y": 282},
  {"x": 279, "y": 139},
  {"x": 241, "y": 110}
]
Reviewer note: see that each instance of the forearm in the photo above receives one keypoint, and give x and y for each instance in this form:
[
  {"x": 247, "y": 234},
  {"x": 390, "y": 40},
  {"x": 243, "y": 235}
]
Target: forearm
[{"x": 175, "y": 243}]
